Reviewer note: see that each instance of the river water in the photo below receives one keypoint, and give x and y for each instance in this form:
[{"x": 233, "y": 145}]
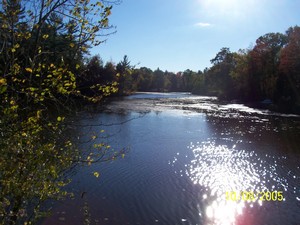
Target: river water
[{"x": 185, "y": 153}]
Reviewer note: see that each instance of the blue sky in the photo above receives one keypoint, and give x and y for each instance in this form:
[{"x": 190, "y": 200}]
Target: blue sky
[{"x": 176, "y": 35}]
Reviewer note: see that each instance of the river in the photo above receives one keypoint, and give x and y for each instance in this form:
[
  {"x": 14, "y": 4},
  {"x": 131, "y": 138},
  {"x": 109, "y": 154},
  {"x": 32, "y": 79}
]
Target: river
[{"x": 191, "y": 160}]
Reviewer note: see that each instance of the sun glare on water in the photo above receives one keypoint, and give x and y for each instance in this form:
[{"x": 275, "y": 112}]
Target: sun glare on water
[{"x": 220, "y": 169}]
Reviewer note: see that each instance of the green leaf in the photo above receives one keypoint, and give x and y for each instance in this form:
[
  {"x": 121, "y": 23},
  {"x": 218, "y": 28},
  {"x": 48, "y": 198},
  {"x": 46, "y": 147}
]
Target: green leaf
[{"x": 3, "y": 89}]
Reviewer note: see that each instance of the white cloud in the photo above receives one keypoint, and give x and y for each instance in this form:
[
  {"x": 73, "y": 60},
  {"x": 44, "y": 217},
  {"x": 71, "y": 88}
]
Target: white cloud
[{"x": 201, "y": 24}]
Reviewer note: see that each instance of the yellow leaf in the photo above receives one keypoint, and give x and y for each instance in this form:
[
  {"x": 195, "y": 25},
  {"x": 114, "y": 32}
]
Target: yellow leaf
[
  {"x": 61, "y": 184},
  {"x": 39, "y": 113},
  {"x": 2, "y": 81},
  {"x": 77, "y": 66},
  {"x": 123, "y": 155},
  {"x": 27, "y": 35},
  {"x": 72, "y": 45},
  {"x": 45, "y": 36},
  {"x": 96, "y": 174},
  {"x": 59, "y": 119},
  {"x": 28, "y": 70}
]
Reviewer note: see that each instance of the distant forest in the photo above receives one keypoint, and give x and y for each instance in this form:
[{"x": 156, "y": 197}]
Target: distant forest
[{"x": 270, "y": 70}]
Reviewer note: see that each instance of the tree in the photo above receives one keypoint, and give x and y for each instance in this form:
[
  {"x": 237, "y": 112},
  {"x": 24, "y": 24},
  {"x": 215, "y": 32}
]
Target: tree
[
  {"x": 158, "y": 80},
  {"x": 36, "y": 87},
  {"x": 171, "y": 81},
  {"x": 124, "y": 76},
  {"x": 187, "y": 77},
  {"x": 223, "y": 56},
  {"x": 218, "y": 77},
  {"x": 144, "y": 79},
  {"x": 96, "y": 79},
  {"x": 199, "y": 85},
  {"x": 264, "y": 64},
  {"x": 240, "y": 75},
  {"x": 288, "y": 85}
]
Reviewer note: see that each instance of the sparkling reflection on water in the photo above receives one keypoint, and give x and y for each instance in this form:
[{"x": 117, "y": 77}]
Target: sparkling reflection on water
[
  {"x": 161, "y": 181},
  {"x": 222, "y": 169}
]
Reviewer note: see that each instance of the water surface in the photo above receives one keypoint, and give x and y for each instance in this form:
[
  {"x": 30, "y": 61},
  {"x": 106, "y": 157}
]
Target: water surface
[{"x": 185, "y": 153}]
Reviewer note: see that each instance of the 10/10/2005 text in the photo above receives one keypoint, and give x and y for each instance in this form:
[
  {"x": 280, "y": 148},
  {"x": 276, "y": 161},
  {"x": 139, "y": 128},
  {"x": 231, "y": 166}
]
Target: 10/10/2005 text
[{"x": 254, "y": 196}]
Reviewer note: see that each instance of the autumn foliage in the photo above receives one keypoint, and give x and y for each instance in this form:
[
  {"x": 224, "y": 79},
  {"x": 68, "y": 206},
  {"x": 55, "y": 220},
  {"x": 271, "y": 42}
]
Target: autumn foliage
[
  {"x": 43, "y": 45},
  {"x": 269, "y": 70}
]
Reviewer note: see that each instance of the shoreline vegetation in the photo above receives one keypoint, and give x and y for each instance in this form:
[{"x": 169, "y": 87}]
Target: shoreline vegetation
[
  {"x": 267, "y": 75},
  {"x": 46, "y": 75}
]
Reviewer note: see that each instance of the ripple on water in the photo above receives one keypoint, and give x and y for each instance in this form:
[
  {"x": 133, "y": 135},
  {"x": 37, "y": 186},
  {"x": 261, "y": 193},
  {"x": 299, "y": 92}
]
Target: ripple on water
[{"x": 221, "y": 169}]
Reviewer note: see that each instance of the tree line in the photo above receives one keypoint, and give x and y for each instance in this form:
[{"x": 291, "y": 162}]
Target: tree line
[{"x": 270, "y": 70}]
